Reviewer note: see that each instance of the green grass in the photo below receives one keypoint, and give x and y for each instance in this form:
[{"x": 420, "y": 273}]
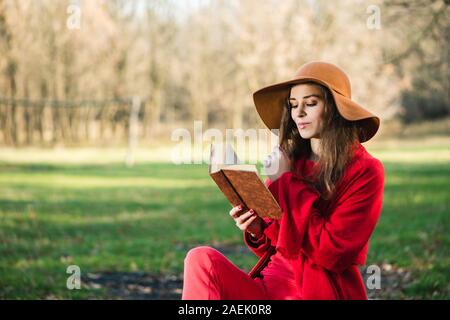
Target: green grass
[{"x": 106, "y": 217}]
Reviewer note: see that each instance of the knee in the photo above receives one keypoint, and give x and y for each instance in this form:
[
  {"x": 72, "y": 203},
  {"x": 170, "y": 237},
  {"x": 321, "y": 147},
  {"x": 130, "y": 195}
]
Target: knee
[{"x": 200, "y": 255}]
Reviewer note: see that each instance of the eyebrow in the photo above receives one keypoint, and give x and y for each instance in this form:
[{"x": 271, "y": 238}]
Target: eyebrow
[{"x": 305, "y": 97}]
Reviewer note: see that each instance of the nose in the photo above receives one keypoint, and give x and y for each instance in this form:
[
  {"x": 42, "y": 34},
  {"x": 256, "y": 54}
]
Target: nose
[{"x": 299, "y": 112}]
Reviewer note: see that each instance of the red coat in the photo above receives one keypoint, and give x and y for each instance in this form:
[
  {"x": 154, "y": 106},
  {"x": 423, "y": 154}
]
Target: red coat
[{"x": 325, "y": 241}]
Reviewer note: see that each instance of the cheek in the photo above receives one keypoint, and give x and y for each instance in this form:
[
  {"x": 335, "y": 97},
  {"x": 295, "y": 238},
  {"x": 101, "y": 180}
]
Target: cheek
[
  {"x": 293, "y": 114},
  {"x": 319, "y": 115}
]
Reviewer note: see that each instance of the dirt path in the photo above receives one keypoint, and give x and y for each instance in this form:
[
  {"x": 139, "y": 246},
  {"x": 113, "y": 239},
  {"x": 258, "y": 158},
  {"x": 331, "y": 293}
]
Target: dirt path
[
  {"x": 135, "y": 285},
  {"x": 138, "y": 286}
]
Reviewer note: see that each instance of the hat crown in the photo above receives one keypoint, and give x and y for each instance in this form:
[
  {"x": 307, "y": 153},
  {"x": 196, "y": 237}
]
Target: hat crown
[{"x": 329, "y": 73}]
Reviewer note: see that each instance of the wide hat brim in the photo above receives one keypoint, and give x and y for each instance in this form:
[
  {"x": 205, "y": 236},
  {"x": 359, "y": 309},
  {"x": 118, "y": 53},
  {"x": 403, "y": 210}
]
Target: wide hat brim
[{"x": 270, "y": 101}]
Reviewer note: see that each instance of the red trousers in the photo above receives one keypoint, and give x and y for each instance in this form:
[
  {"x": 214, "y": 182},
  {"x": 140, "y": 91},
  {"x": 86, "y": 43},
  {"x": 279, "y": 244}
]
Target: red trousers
[{"x": 209, "y": 275}]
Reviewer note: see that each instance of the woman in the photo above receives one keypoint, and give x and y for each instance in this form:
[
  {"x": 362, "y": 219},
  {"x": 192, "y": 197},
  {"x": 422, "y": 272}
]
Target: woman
[{"x": 329, "y": 188}]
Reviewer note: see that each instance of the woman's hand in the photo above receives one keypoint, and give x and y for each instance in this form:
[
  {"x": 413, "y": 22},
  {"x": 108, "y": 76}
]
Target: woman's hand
[
  {"x": 277, "y": 163},
  {"x": 248, "y": 221}
]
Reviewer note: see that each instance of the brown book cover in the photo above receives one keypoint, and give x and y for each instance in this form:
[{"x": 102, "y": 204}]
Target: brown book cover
[{"x": 241, "y": 184}]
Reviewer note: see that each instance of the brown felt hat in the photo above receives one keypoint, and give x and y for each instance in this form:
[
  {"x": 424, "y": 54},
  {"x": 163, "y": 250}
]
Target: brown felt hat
[{"x": 269, "y": 101}]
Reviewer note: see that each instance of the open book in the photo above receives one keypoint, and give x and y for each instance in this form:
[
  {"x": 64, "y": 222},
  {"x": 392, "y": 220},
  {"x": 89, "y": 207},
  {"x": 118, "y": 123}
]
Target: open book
[{"x": 240, "y": 183}]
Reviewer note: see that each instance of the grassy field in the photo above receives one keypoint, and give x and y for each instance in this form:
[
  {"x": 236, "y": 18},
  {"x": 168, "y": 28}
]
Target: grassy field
[{"x": 107, "y": 217}]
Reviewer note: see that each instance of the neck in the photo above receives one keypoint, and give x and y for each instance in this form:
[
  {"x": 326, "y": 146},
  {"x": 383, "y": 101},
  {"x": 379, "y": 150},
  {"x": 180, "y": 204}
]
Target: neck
[{"x": 315, "y": 148}]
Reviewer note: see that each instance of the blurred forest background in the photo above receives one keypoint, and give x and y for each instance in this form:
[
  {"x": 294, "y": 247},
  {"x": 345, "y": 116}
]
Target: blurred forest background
[
  {"x": 70, "y": 68},
  {"x": 84, "y": 83}
]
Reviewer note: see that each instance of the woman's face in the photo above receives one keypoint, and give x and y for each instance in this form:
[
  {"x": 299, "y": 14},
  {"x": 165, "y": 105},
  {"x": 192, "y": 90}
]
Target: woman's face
[{"x": 307, "y": 110}]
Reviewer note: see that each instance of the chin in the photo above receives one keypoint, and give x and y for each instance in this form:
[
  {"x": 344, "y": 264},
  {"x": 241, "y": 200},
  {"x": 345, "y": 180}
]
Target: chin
[
  {"x": 305, "y": 135},
  {"x": 308, "y": 133}
]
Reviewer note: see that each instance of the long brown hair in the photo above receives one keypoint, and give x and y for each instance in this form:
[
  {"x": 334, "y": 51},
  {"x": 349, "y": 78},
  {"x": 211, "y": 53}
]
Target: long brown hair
[{"x": 338, "y": 137}]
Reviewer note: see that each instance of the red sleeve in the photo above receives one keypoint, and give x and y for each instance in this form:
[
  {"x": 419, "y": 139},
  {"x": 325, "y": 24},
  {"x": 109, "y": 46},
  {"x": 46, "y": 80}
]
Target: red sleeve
[
  {"x": 272, "y": 225},
  {"x": 335, "y": 241},
  {"x": 261, "y": 245}
]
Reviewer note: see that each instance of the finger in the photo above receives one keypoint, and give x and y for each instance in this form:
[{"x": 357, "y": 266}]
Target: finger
[
  {"x": 247, "y": 223},
  {"x": 235, "y": 210},
  {"x": 241, "y": 219}
]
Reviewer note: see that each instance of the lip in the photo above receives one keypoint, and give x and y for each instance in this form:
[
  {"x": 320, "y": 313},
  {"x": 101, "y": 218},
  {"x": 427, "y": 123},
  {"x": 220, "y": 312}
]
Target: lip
[{"x": 302, "y": 125}]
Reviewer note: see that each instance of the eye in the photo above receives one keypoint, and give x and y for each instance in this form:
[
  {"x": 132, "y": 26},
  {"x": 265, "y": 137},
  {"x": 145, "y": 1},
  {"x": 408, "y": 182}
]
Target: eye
[
  {"x": 293, "y": 103},
  {"x": 311, "y": 104}
]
